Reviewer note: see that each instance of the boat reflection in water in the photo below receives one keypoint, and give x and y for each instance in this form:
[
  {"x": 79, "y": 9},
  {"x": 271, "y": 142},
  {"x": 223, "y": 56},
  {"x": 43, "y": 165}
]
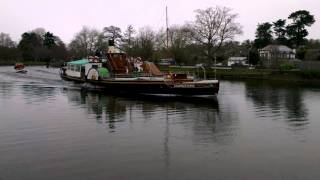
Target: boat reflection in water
[
  {"x": 110, "y": 106},
  {"x": 200, "y": 114}
]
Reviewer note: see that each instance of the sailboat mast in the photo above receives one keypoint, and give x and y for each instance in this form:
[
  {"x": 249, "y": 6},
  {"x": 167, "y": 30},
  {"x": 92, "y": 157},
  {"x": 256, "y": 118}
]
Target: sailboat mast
[{"x": 167, "y": 27}]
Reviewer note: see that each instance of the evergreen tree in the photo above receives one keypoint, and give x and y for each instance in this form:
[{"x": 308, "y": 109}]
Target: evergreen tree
[
  {"x": 28, "y": 44},
  {"x": 297, "y": 29},
  {"x": 48, "y": 40},
  {"x": 263, "y": 35},
  {"x": 280, "y": 31}
]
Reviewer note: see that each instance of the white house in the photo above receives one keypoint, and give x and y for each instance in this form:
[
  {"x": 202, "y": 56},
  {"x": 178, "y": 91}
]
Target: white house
[
  {"x": 277, "y": 52},
  {"x": 238, "y": 61}
]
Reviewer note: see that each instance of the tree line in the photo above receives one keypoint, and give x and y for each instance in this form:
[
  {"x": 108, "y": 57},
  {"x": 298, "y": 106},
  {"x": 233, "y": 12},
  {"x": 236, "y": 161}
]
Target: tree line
[
  {"x": 193, "y": 42},
  {"x": 208, "y": 38},
  {"x": 291, "y": 32},
  {"x": 37, "y": 45},
  {"x": 279, "y": 32}
]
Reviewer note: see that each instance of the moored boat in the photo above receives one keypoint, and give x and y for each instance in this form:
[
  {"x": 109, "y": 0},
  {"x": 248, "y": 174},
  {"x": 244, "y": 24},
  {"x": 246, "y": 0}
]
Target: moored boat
[
  {"x": 116, "y": 73},
  {"x": 19, "y": 67}
]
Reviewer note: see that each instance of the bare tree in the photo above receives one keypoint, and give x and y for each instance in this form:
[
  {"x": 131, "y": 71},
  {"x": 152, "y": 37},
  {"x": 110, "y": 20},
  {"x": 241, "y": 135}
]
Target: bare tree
[
  {"x": 179, "y": 39},
  {"x": 84, "y": 43},
  {"x": 144, "y": 44},
  {"x": 179, "y": 36},
  {"x": 176, "y": 32},
  {"x": 5, "y": 40},
  {"x": 102, "y": 43},
  {"x": 128, "y": 35},
  {"x": 128, "y": 38},
  {"x": 212, "y": 27},
  {"x": 113, "y": 32},
  {"x": 8, "y": 50},
  {"x": 93, "y": 40},
  {"x": 161, "y": 40}
]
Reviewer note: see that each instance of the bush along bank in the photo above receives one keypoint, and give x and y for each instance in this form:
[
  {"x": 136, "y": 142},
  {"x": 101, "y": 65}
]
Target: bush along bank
[
  {"x": 263, "y": 74},
  {"x": 27, "y": 63}
]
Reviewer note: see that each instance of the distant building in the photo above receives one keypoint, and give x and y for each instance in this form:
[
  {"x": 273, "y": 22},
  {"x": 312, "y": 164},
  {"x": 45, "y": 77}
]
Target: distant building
[
  {"x": 241, "y": 61},
  {"x": 272, "y": 56},
  {"x": 277, "y": 52}
]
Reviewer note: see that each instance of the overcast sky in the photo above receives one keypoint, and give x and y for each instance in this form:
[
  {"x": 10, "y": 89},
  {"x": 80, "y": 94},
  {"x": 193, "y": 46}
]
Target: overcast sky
[{"x": 66, "y": 17}]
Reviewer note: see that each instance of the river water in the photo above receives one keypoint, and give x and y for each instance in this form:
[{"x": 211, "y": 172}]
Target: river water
[{"x": 49, "y": 129}]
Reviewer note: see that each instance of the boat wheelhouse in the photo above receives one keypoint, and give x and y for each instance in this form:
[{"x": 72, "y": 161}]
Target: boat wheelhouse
[{"x": 80, "y": 68}]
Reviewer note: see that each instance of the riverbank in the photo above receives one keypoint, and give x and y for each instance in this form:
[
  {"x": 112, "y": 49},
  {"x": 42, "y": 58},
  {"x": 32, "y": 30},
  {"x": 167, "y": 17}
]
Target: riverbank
[
  {"x": 297, "y": 76},
  {"x": 28, "y": 63}
]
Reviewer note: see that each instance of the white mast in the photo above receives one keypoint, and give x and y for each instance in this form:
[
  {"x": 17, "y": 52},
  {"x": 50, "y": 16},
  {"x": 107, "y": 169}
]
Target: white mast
[{"x": 167, "y": 27}]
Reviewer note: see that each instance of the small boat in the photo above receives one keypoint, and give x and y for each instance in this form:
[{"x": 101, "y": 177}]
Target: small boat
[
  {"x": 116, "y": 73},
  {"x": 19, "y": 67}
]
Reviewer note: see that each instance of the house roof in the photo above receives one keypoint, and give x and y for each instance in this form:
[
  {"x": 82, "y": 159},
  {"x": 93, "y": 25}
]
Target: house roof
[{"x": 281, "y": 48}]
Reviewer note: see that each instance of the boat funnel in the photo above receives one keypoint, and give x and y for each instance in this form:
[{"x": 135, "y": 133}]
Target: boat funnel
[{"x": 111, "y": 48}]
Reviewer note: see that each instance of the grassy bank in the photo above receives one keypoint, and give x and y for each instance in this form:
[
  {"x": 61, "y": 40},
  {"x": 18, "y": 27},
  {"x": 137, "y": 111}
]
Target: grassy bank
[
  {"x": 263, "y": 74},
  {"x": 27, "y": 63}
]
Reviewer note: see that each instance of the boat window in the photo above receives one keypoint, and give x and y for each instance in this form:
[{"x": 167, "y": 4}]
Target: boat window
[
  {"x": 95, "y": 66},
  {"x": 78, "y": 68},
  {"x": 82, "y": 69}
]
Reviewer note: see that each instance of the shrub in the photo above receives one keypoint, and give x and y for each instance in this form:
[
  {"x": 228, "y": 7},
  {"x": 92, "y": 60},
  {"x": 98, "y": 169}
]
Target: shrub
[
  {"x": 287, "y": 67},
  {"x": 310, "y": 74}
]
